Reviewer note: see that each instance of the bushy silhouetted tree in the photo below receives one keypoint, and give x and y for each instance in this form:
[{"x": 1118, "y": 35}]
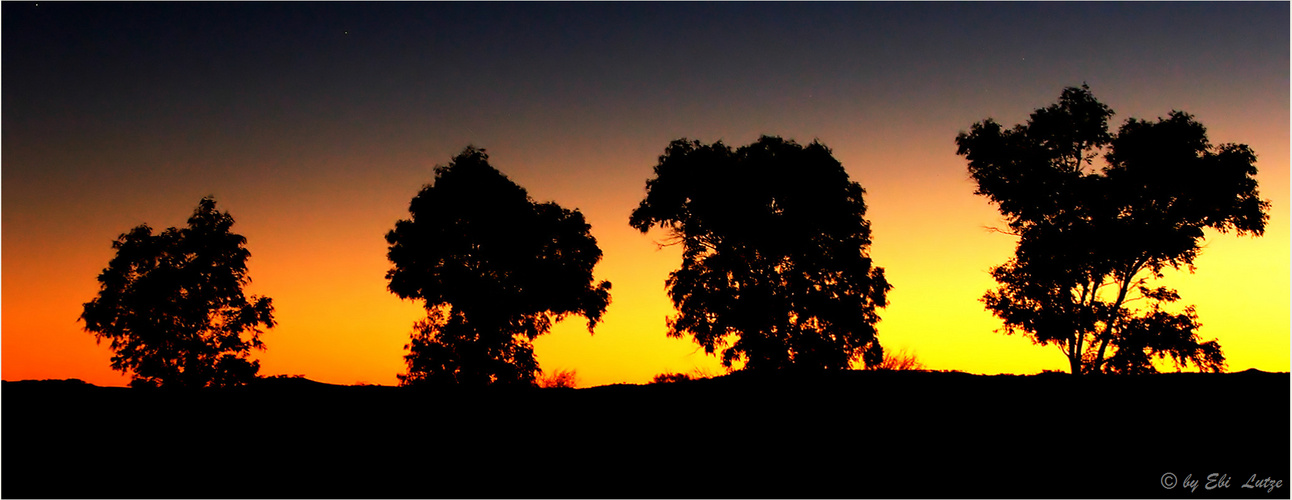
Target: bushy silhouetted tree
[
  {"x": 495, "y": 270},
  {"x": 172, "y": 305},
  {"x": 1091, "y": 239},
  {"x": 774, "y": 253}
]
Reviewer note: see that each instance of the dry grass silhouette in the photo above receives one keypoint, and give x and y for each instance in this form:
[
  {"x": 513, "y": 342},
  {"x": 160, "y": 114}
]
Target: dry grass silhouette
[
  {"x": 564, "y": 379},
  {"x": 900, "y": 361},
  {"x": 672, "y": 377}
]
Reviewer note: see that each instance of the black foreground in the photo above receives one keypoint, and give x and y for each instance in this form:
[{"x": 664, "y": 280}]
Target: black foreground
[{"x": 849, "y": 435}]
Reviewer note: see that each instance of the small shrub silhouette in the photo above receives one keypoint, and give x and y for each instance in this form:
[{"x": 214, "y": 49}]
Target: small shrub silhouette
[
  {"x": 670, "y": 378},
  {"x": 900, "y": 361},
  {"x": 562, "y": 379}
]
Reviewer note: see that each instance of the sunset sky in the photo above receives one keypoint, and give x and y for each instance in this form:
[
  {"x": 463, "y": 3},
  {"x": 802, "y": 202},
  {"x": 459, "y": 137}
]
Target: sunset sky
[{"x": 314, "y": 124}]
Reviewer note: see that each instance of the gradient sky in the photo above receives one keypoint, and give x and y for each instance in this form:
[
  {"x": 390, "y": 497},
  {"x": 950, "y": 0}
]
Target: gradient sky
[{"x": 314, "y": 124}]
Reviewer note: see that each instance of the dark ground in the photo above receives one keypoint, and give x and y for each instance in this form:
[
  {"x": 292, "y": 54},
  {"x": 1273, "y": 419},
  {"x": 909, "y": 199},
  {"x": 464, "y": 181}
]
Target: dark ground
[{"x": 856, "y": 434}]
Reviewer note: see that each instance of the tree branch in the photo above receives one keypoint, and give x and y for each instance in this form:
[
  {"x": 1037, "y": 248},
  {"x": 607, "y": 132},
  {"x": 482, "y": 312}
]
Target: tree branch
[{"x": 992, "y": 229}]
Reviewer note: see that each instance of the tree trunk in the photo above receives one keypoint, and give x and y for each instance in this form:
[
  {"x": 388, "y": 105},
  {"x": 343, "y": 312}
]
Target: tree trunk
[
  {"x": 1099, "y": 360},
  {"x": 1111, "y": 322},
  {"x": 1074, "y": 354}
]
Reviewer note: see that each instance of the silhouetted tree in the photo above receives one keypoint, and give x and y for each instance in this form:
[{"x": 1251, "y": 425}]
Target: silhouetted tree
[
  {"x": 495, "y": 270},
  {"x": 774, "y": 252},
  {"x": 1090, "y": 240},
  {"x": 173, "y": 308}
]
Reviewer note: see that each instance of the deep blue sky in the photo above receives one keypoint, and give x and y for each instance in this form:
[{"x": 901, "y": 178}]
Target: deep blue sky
[{"x": 244, "y": 70}]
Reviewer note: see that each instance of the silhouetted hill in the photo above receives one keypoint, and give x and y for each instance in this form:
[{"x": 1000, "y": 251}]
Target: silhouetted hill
[{"x": 853, "y": 434}]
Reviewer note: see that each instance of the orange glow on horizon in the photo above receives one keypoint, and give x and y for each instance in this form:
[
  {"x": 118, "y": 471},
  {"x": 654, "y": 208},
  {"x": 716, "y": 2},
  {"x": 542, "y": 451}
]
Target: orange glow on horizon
[{"x": 338, "y": 324}]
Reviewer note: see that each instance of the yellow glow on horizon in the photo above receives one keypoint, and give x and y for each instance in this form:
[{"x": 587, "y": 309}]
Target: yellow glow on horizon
[{"x": 337, "y": 323}]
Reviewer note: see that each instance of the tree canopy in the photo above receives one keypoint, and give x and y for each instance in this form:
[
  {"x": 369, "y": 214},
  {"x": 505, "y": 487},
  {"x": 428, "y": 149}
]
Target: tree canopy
[
  {"x": 173, "y": 308},
  {"x": 1092, "y": 238},
  {"x": 495, "y": 270},
  {"x": 774, "y": 253}
]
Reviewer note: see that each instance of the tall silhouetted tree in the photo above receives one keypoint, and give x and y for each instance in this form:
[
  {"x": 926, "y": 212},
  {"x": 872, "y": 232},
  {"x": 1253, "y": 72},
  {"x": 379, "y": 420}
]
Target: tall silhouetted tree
[
  {"x": 1091, "y": 239},
  {"x": 774, "y": 253},
  {"x": 173, "y": 308},
  {"x": 495, "y": 270}
]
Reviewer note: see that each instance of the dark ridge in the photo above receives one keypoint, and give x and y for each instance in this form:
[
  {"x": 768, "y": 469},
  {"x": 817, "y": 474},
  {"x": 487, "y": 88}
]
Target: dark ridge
[
  {"x": 71, "y": 382},
  {"x": 786, "y": 435}
]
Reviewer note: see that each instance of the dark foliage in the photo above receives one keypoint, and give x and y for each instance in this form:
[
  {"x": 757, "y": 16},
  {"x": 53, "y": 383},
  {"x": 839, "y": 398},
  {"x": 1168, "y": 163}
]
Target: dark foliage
[
  {"x": 1090, "y": 240},
  {"x": 495, "y": 270},
  {"x": 172, "y": 305},
  {"x": 775, "y": 253}
]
